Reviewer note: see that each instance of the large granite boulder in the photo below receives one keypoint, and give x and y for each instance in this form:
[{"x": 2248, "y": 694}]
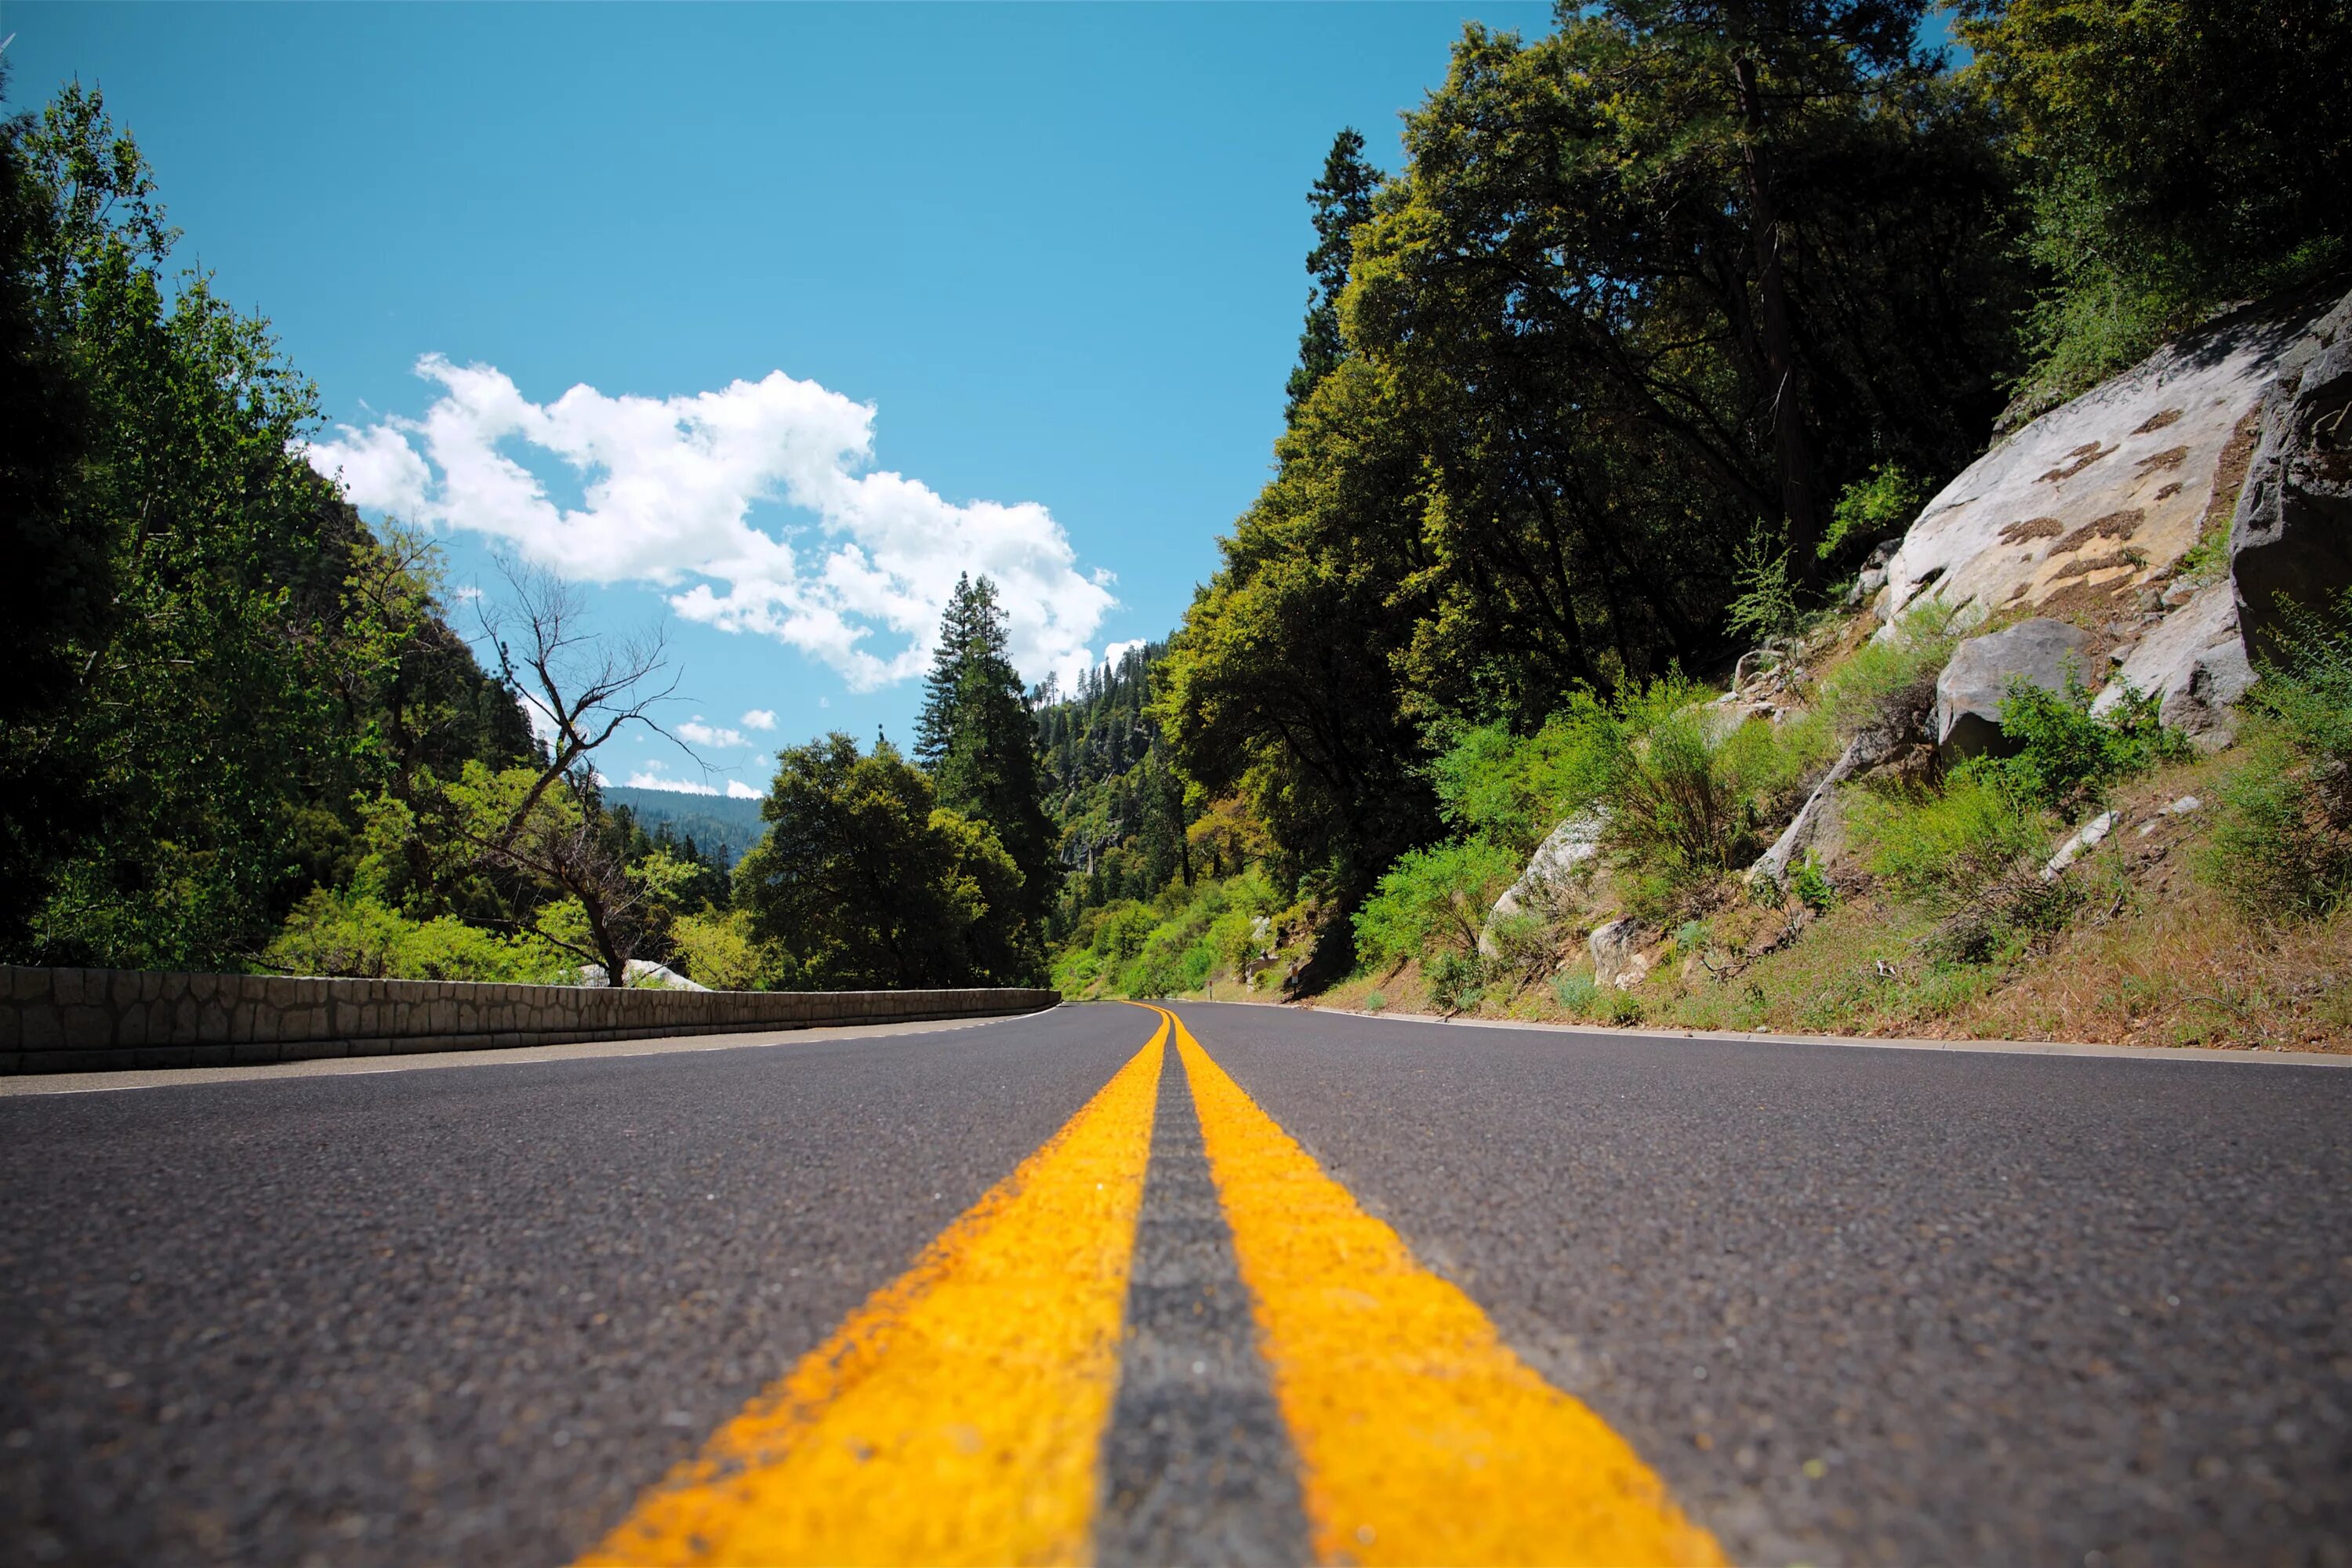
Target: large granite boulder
[
  {"x": 2095, "y": 501},
  {"x": 2291, "y": 536},
  {"x": 1970, "y": 693}
]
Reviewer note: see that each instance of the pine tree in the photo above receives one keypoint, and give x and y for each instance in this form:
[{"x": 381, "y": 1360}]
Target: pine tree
[
  {"x": 1342, "y": 200},
  {"x": 977, "y": 738}
]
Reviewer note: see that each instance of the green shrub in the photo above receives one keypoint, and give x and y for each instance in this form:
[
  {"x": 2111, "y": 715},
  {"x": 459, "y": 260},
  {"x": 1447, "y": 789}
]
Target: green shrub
[
  {"x": 1577, "y": 992},
  {"x": 1456, "y": 981},
  {"x": 2307, "y": 690},
  {"x": 1619, "y": 1007},
  {"x": 2272, "y": 852},
  {"x": 1120, "y": 930},
  {"x": 2069, "y": 758},
  {"x": 1877, "y": 507},
  {"x": 1686, "y": 795},
  {"x": 717, "y": 949},
  {"x": 2004, "y": 917},
  {"x": 2280, "y": 847},
  {"x": 1513, "y": 789},
  {"x": 1374, "y": 1002},
  {"x": 1942, "y": 847},
  {"x": 1432, "y": 900},
  {"x": 1232, "y": 937},
  {"x": 1811, "y": 887},
  {"x": 345, "y": 932},
  {"x": 1765, "y": 608},
  {"x": 1890, "y": 685},
  {"x": 1521, "y": 943}
]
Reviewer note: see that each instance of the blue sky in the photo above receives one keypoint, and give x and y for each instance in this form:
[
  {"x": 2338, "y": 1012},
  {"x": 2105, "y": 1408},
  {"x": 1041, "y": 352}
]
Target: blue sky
[{"x": 1042, "y": 263}]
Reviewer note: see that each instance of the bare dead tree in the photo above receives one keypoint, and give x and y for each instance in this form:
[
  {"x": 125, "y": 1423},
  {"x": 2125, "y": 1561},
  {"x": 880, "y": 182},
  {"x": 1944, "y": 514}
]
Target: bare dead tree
[{"x": 582, "y": 688}]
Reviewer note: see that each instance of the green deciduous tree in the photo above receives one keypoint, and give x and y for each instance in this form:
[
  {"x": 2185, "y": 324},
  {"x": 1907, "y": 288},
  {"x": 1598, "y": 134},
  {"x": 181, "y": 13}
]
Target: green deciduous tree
[
  {"x": 216, "y": 659},
  {"x": 197, "y": 708},
  {"x": 2182, "y": 153},
  {"x": 867, "y": 882},
  {"x": 1282, "y": 688}
]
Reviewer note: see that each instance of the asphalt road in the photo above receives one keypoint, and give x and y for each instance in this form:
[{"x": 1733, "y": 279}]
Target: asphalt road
[{"x": 1850, "y": 1305}]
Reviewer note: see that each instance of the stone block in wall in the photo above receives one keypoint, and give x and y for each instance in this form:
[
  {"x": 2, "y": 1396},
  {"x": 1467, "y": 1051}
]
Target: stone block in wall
[{"x": 251, "y": 1053}]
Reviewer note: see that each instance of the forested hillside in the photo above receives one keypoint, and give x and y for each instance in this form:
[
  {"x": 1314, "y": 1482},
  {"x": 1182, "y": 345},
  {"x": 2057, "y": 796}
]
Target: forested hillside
[
  {"x": 1115, "y": 801},
  {"x": 716, "y": 827}
]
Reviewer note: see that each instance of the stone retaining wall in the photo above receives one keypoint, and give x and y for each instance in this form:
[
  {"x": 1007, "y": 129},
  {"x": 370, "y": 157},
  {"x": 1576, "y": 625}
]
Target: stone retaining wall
[{"x": 79, "y": 1020}]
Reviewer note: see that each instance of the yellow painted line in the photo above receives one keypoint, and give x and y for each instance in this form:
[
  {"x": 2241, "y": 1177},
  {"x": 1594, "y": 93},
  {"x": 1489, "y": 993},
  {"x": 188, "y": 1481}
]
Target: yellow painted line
[
  {"x": 956, "y": 1415},
  {"x": 1421, "y": 1437}
]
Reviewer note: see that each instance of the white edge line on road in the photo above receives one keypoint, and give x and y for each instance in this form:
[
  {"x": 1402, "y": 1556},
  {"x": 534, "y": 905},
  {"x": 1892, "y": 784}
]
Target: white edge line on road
[
  {"x": 1988, "y": 1047},
  {"x": 115, "y": 1080}
]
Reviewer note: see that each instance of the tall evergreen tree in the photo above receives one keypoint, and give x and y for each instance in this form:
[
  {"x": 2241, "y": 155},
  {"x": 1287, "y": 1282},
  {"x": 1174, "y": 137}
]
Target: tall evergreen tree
[
  {"x": 978, "y": 740},
  {"x": 1342, "y": 200}
]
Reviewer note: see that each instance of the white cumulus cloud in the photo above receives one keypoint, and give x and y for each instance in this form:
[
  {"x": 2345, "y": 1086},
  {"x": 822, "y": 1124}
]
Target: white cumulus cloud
[
  {"x": 1116, "y": 651},
  {"x": 694, "y": 732},
  {"x": 759, "y": 719},
  {"x": 646, "y": 778},
  {"x": 857, "y": 579},
  {"x": 738, "y": 790}
]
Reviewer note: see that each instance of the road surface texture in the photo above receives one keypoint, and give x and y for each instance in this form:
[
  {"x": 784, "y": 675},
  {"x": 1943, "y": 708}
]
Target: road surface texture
[{"x": 1241, "y": 1285}]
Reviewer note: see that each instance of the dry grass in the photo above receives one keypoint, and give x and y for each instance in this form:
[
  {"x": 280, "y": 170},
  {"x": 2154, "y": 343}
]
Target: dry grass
[{"x": 2151, "y": 958}]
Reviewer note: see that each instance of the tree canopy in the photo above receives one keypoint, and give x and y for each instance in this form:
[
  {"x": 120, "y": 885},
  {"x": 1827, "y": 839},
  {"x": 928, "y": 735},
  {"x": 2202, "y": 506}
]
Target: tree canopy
[
  {"x": 978, "y": 739},
  {"x": 867, "y": 882}
]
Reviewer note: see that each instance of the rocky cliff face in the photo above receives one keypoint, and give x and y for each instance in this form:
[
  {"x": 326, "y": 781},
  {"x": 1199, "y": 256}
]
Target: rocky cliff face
[{"x": 2093, "y": 514}]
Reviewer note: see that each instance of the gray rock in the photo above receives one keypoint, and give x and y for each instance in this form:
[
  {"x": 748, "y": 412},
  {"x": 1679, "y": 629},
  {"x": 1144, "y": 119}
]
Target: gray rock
[
  {"x": 1617, "y": 954},
  {"x": 1969, "y": 693},
  {"x": 2291, "y": 535},
  {"x": 1558, "y": 860},
  {"x": 1867, "y": 751},
  {"x": 2106, "y": 490},
  {"x": 1873, "y": 577},
  {"x": 2196, "y": 662},
  {"x": 642, "y": 972},
  {"x": 2086, "y": 837}
]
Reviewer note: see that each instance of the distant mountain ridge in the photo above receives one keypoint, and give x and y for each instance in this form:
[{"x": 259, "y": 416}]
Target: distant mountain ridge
[{"x": 714, "y": 822}]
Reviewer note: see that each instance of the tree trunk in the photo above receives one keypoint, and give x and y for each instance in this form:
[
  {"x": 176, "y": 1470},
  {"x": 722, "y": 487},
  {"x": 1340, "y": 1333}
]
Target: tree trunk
[{"x": 1797, "y": 500}]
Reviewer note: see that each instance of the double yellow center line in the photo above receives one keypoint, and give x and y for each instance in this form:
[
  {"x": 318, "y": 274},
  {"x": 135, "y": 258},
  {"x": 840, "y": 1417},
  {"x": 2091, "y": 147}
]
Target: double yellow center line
[{"x": 956, "y": 1416}]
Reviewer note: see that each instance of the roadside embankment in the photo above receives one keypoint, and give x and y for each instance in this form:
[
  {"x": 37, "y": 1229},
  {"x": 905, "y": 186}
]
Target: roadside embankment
[{"x": 84, "y": 1020}]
